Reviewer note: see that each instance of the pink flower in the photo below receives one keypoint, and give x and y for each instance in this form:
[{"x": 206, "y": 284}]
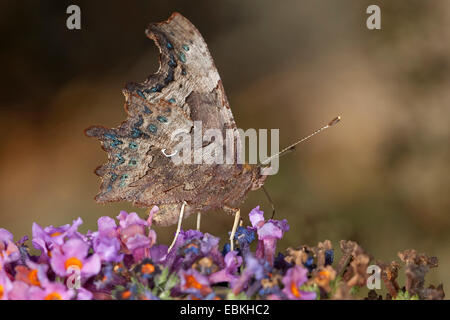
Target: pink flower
[
  {"x": 232, "y": 262},
  {"x": 52, "y": 291},
  {"x": 132, "y": 232},
  {"x": 293, "y": 280},
  {"x": 5, "y": 285},
  {"x": 8, "y": 249},
  {"x": 269, "y": 232},
  {"x": 106, "y": 242},
  {"x": 46, "y": 239},
  {"x": 73, "y": 256}
]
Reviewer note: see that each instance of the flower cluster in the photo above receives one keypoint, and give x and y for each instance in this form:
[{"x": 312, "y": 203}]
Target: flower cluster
[{"x": 122, "y": 260}]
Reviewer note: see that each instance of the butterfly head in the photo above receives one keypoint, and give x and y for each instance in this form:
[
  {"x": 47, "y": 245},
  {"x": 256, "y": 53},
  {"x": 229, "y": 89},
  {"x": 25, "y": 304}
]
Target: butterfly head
[{"x": 259, "y": 177}]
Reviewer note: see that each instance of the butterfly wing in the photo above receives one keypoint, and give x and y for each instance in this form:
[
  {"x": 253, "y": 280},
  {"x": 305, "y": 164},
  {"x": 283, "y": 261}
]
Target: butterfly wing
[{"x": 186, "y": 88}]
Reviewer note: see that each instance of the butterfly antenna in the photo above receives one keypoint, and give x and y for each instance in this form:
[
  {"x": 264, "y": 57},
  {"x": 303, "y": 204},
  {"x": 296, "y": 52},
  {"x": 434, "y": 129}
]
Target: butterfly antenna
[
  {"x": 270, "y": 201},
  {"x": 292, "y": 146}
]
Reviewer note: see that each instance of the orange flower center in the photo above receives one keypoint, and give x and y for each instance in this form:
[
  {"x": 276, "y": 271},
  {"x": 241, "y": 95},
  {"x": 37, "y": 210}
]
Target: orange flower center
[
  {"x": 191, "y": 282},
  {"x": 147, "y": 268},
  {"x": 294, "y": 290},
  {"x": 322, "y": 278},
  {"x": 126, "y": 294},
  {"x": 53, "y": 296},
  {"x": 32, "y": 276},
  {"x": 55, "y": 234},
  {"x": 73, "y": 262},
  {"x": 324, "y": 274},
  {"x": 1, "y": 291}
]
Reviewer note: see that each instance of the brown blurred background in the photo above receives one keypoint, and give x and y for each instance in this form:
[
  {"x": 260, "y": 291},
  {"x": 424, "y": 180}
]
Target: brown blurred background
[{"x": 381, "y": 177}]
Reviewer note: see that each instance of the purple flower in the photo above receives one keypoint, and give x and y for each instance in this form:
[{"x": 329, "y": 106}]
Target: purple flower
[
  {"x": 185, "y": 238},
  {"x": 232, "y": 263},
  {"x": 253, "y": 268},
  {"x": 84, "y": 294},
  {"x": 46, "y": 239},
  {"x": 132, "y": 233},
  {"x": 152, "y": 212},
  {"x": 209, "y": 243},
  {"x": 19, "y": 291},
  {"x": 5, "y": 238},
  {"x": 105, "y": 242},
  {"x": 130, "y": 219},
  {"x": 158, "y": 252},
  {"x": 107, "y": 249},
  {"x": 293, "y": 280},
  {"x": 193, "y": 282},
  {"x": 73, "y": 254},
  {"x": 256, "y": 217},
  {"x": 33, "y": 274},
  {"x": 269, "y": 232},
  {"x": 52, "y": 291},
  {"x": 8, "y": 249},
  {"x": 107, "y": 227},
  {"x": 5, "y": 284}
]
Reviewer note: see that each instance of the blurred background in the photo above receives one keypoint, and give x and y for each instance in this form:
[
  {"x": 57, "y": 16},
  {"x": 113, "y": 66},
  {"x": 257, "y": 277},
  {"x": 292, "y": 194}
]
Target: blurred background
[{"x": 381, "y": 177}]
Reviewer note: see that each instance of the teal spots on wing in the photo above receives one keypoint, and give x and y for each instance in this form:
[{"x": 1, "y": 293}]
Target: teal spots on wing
[
  {"x": 152, "y": 128},
  {"x": 136, "y": 133},
  {"x": 156, "y": 88},
  {"x": 161, "y": 119},
  {"x": 183, "y": 71},
  {"x": 169, "y": 45},
  {"x": 182, "y": 57},
  {"x": 147, "y": 110},
  {"x": 115, "y": 142},
  {"x": 171, "y": 100},
  {"x": 172, "y": 63},
  {"x": 185, "y": 47},
  {"x": 122, "y": 180},
  {"x": 113, "y": 179},
  {"x": 141, "y": 94},
  {"x": 133, "y": 145},
  {"x": 140, "y": 122},
  {"x": 132, "y": 162},
  {"x": 120, "y": 159}
]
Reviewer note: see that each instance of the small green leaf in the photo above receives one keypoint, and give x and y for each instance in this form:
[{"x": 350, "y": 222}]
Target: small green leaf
[
  {"x": 159, "y": 280},
  {"x": 406, "y": 296},
  {"x": 171, "y": 282},
  {"x": 354, "y": 290},
  {"x": 240, "y": 296}
]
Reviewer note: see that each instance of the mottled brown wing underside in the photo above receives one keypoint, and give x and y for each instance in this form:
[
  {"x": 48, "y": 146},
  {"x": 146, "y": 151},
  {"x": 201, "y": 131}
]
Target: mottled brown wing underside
[{"x": 186, "y": 88}]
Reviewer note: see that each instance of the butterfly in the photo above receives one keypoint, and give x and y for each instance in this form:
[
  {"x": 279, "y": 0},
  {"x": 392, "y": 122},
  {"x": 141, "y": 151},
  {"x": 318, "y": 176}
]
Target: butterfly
[{"x": 187, "y": 88}]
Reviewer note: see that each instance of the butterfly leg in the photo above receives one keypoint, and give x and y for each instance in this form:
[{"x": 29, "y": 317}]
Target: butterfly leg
[
  {"x": 237, "y": 218},
  {"x": 180, "y": 219},
  {"x": 199, "y": 218}
]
